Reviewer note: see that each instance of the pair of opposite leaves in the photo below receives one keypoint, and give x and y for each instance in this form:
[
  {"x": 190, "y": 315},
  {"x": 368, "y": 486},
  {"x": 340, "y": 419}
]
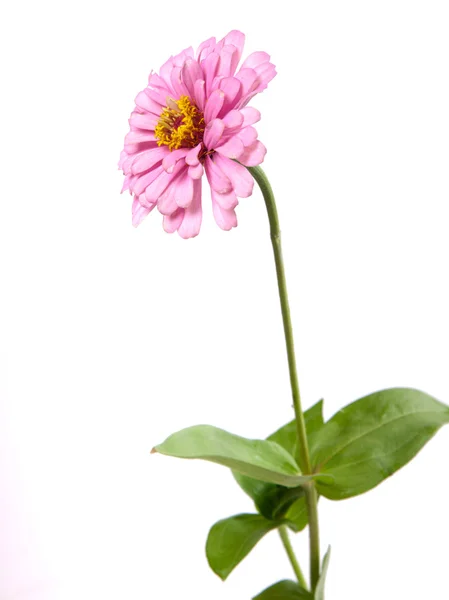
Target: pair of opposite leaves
[{"x": 360, "y": 446}]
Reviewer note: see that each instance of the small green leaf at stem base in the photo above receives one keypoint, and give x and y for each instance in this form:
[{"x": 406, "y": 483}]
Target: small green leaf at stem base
[
  {"x": 260, "y": 459},
  {"x": 271, "y": 500},
  {"x": 231, "y": 539},
  {"x": 297, "y": 516},
  {"x": 319, "y": 590},
  {"x": 370, "y": 439},
  {"x": 285, "y": 590}
]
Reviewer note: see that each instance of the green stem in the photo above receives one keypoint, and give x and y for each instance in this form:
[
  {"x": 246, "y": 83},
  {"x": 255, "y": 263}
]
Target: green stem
[
  {"x": 312, "y": 513},
  {"x": 275, "y": 232},
  {"x": 291, "y": 555},
  {"x": 303, "y": 446}
]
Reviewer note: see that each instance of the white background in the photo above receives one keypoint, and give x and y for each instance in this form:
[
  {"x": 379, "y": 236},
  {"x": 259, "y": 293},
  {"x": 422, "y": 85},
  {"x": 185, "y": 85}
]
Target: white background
[{"x": 112, "y": 337}]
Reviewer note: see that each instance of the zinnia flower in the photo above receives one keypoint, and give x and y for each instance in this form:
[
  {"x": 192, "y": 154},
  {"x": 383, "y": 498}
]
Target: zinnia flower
[{"x": 194, "y": 117}]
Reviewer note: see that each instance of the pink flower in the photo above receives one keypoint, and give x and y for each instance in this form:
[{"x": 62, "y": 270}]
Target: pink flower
[{"x": 193, "y": 117}]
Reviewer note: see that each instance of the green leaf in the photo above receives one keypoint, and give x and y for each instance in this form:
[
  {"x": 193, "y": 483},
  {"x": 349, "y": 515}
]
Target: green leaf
[
  {"x": 230, "y": 540},
  {"x": 287, "y": 435},
  {"x": 370, "y": 439},
  {"x": 285, "y": 590},
  {"x": 319, "y": 590},
  {"x": 271, "y": 500},
  {"x": 297, "y": 516},
  {"x": 276, "y": 501},
  {"x": 261, "y": 459}
]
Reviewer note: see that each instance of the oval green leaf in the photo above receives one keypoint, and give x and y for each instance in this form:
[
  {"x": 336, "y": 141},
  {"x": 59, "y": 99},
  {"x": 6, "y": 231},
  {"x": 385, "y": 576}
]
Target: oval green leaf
[
  {"x": 285, "y": 590},
  {"x": 231, "y": 539},
  {"x": 319, "y": 590},
  {"x": 260, "y": 459},
  {"x": 370, "y": 439}
]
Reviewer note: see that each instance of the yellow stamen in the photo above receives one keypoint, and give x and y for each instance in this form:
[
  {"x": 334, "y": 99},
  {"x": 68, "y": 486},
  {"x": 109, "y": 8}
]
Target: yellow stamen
[{"x": 181, "y": 125}]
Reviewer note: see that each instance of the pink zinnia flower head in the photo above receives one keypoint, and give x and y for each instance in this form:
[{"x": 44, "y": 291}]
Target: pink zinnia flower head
[{"x": 193, "y": 117}]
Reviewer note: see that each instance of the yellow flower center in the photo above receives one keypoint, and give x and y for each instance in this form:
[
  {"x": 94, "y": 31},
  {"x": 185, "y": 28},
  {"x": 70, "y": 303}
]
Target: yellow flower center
[{"x": 181, "y": 125}]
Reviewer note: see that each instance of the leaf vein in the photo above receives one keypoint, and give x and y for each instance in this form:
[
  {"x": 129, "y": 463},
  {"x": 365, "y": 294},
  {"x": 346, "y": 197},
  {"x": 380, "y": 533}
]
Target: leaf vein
[
  {"x": 357, "y": 462},
  {"x": 368, "y": 432}
]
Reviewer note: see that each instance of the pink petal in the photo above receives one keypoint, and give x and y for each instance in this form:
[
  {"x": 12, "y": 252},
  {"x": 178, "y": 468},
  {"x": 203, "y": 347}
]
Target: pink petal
[
  {"x": 172, "y": 158},
  {"x": 229, "y": 59},
  {"x": 233, "y": 120},
  {"x": 184, "y": 191},
  {"x": 137, "y": 148},
  {"x": 226, "y": 201},
  {"x": 192, "y": 155},
  {"x": 179, "y": 59},
  {"x": 241, "y": 179},
  {"x": 231, "y": 87},
  {"x": 200, "y": 93},
  {"x": 255, "y": 59},
  {"x": 213, "y": 133},
  {"x": 232, "y": 148},
  {"x": 154, "y": 81},
  {"x": 206, "y": 48},
  {"x": 128, "y": 183},
  {"x": 244, "y": 100},
  {"x": 166, "y": 202},
  {"x": 250, "y": 115},
  {"x": 219, "y": 46},
  {"x": 249, "y": 80},
  {"x": 178, "y": 86},
  {"x": 225, "y": 219},
  {"x": 209, "y": 66},
  {"x": 217, "y": 179},
  {"x": 191, "y": 224},
  {"x": 165, "y": 72},
  {"x": 133, "y": 148},
  {"x": 148, "y": 159},
  {"x": 172, "y": 222},
  {"x": 159, "y": 185},
  {"x": 213, "y": 105},
  {"x": 248, "y": 135},
  {"x": 190, "y": 73},
  {"x": 265, "y": 73},
  {"x": 196, "y": 172},
  {"x": 139, "y": 212},
  {"x": 235, "y": 38},
  {"x": 124, "y": 156},
  {"x": 146, "y": 121},
  {"x": 174, "y": 62},
  {"x": 145, "y": 180},
  {"x": 253, "y": 155},
  {"x": 137, "y": 136},
  {"x": 215, "y": 84},
  {"x": 125, "y": 185},
  {"x": 144, "y": 101},
  {"x": 127, "y": 162},
  {"x": 158, "y": 94}
]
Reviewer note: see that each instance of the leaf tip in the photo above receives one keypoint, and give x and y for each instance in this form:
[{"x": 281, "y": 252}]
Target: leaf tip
[
  {"x": 221, "y": 573},
  {"x": 153, "y": 450}
]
